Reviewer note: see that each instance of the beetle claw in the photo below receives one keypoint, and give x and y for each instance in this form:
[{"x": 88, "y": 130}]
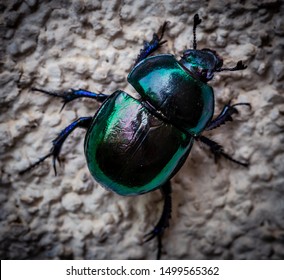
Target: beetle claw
[
  {"x": 67, "y": 97},
  {"x": 149, "y": 236},
  {"x": 64, "y": 103},
  {"x": 55, "y": 152},
  {"x": 54, "y": 165},
  {"x": 35, "y": 164},
  {"x": 163, "y": 42},
  {"x": 156, "y": 232},
  {"x": 162, "y": 30}
]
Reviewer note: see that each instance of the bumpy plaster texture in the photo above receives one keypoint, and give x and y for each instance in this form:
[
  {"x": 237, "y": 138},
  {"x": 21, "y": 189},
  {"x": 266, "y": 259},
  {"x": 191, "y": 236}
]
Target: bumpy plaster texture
[{"x": 220, "y": 210}]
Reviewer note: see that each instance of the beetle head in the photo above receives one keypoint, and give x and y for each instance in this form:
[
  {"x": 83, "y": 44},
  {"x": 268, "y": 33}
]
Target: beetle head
[{"x": 201, "y": 63}]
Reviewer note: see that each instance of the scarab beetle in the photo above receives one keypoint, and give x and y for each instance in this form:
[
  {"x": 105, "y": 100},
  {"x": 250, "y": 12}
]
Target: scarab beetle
[{"x": 134, "y": 146}]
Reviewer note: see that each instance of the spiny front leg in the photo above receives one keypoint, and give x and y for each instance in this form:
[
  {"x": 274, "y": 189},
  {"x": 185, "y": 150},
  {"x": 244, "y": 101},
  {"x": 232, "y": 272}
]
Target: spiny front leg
[{"x": 225, "y": 115}]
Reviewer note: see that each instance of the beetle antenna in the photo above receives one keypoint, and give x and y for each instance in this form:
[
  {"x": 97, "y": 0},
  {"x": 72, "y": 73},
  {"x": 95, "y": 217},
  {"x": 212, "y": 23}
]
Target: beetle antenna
[
  {"x": 239, "y": 66},
  {"x": 196, "y": 21}
]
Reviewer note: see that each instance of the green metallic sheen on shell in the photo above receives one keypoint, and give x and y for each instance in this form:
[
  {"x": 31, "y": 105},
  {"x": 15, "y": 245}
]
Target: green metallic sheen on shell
[
  {"x": 129, "y": 150},
  {"x": 185, "y": 101}
]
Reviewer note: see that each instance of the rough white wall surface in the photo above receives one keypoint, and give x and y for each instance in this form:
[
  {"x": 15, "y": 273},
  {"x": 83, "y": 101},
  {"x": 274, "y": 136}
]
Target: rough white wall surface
[{"x": 220, "y": 210}]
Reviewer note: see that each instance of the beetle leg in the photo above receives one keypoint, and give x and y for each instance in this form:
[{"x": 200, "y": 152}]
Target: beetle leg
[
  {"x": 154, "y": 44},
  {"x": 72, "y": 94},
  {"x": 225, "y": 115},
  {"x": 218, "y": 150},
  {"x": 163, "y": 223},
  {"x": 83, "y": 122}
]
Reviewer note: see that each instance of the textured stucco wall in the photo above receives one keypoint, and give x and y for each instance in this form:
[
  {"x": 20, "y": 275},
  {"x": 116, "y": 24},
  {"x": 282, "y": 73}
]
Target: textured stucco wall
[{"x": 220, "y": 210}]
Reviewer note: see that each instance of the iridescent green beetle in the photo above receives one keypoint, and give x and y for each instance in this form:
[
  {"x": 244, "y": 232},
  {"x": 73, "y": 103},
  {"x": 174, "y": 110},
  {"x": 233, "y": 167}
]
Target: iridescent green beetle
[{"x": 134, "y": 146}]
